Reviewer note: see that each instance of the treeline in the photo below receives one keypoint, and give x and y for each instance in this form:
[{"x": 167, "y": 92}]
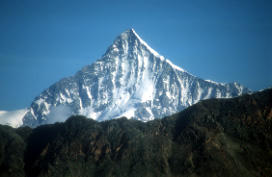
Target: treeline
[{"x": 217, "y": 137}]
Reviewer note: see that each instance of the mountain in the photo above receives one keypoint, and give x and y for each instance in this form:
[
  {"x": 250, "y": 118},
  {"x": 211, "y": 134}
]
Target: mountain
[
  {"x": 12, "y": 118},
  {"x": 130, "y": 79},
  {"x": 216, "y": 137}
]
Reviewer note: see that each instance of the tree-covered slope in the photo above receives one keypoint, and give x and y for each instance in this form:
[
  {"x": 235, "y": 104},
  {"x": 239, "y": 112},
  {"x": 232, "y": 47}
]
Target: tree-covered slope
[{"x": 217, "y": 137}]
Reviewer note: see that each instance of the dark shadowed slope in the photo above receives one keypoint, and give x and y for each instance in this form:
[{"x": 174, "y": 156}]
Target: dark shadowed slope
[{"x": 217, "y": 137}]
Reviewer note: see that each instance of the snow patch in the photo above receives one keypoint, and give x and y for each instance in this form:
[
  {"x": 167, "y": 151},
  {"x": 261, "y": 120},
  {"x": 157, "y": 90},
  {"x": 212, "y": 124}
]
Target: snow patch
[
  {"x": 174, "y": 66},
  {"x": 64, "y": 99},
  {"x": 150, "y": 113},
  {"x": 12, "y": 118},
  {"x": 58, "y": 114},
  {"x": 208, "y": 95},
  {"x": 87, "y": 91},
  {"x": 145, "y": 44},
  {"x": 90, "y": 113},
  {"x": 130, "y": 113},
  {"x": 217, "y": 83}
]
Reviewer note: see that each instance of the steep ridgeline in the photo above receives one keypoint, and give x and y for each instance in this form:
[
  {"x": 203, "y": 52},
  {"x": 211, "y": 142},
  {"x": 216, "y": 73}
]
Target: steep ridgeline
[
  {"x": 132, "y": 80},
  {"x": 217, "y": 137}
]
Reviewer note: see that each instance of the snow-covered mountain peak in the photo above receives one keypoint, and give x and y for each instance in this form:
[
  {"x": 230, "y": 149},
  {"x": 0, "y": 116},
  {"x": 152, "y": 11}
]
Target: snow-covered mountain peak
[
  {"x": 145, "y": 44},
  {"x": 131, "y": 46},
  {"x": 129, "y": 43},
  {"x": 131, "y": 79}
]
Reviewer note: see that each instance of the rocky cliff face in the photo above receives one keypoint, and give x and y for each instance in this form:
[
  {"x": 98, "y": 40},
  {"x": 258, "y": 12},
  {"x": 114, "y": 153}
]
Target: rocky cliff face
[{"x": 130, "y": 79}]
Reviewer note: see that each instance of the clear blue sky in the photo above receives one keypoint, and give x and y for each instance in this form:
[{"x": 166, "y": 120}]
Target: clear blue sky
[{"x": 44, "y": 41}]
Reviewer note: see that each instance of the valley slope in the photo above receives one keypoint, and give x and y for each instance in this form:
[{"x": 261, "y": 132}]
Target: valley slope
[{"x": 216, "y": 137}]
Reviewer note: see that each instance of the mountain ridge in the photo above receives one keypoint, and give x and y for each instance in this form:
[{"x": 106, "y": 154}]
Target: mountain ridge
[{"x": 130, "y": 79}]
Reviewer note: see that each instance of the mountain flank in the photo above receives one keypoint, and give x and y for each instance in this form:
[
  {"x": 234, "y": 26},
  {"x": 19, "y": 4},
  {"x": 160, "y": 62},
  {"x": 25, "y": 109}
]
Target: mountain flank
[
  {"x": 131, "y": 80},
  {"x": 215, "y": 137}
]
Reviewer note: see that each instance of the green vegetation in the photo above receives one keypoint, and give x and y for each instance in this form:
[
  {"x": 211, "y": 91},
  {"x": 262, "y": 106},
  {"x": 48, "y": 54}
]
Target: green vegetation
[{"x": 217, "y": 137}]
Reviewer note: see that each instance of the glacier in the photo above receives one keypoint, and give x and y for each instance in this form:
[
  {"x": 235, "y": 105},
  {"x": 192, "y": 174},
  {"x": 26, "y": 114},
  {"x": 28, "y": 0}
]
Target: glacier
[{"x": 131, "y": 79}]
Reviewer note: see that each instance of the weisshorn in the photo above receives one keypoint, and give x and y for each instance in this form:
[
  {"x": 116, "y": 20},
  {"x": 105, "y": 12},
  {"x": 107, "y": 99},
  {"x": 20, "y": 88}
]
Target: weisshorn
[{"x": 130, "y": 79}]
